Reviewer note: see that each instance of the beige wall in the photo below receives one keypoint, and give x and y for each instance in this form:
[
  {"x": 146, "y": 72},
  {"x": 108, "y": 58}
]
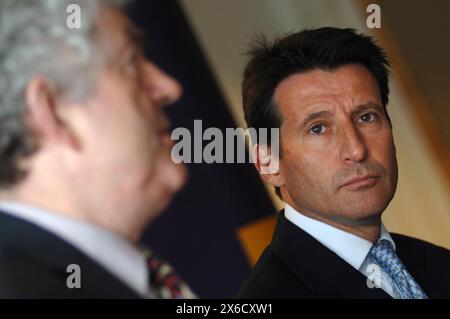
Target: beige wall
[{"x": 421, "y": 205}]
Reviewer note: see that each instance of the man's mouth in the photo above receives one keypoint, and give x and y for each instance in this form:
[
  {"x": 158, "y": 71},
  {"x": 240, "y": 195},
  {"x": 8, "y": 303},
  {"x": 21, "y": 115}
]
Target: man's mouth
[{"x": 360, "y": 182}]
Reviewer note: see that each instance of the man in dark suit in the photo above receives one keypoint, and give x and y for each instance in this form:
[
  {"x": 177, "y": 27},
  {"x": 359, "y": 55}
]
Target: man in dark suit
[
  {"x": 327, "y": 91},
  {"x": 85, "y": 160}
]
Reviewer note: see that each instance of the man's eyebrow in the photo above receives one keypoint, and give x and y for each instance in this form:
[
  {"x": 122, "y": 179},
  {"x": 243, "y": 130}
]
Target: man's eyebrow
[
  {"x": 367, "y": 106},
  {"x": 315, "y": 115}
]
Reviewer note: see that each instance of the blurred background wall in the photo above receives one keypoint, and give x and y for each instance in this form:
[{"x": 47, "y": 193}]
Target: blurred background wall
[{"x": 219, "y": 224}]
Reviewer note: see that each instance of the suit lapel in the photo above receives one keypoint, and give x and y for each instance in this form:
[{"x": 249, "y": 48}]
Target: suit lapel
[
  {"x": 423, "y": 268},
  {"x": 318, "y": 268}
]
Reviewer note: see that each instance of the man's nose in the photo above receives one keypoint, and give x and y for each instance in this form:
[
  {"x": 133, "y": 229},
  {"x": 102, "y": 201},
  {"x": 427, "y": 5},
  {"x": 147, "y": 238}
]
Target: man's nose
[
  {"x": 161, "y": 87},
  {"x": 353, "y": 147}
]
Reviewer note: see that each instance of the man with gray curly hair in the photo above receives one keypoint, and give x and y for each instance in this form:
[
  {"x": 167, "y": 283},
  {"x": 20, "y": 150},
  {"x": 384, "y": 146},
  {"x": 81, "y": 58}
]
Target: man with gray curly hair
[{"x": 84, "y": 153}]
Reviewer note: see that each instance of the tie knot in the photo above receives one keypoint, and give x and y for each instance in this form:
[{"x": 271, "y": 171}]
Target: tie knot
[{"x": 384, "y": 255}]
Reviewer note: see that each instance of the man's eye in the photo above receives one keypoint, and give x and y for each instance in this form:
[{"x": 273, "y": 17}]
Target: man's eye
[
  {"x": 367, "y": 118},
  {"x": 317, "y": 129}
]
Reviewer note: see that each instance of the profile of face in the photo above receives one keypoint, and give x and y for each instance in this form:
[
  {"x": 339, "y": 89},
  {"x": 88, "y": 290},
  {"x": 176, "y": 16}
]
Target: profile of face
[
  {"x": 338, "y": 159},
  {"x": 124, "y": 161}
]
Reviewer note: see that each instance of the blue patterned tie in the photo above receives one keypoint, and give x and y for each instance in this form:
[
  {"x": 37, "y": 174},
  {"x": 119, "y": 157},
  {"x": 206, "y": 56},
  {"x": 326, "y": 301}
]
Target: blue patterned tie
[{"x": 383, "y": 255}]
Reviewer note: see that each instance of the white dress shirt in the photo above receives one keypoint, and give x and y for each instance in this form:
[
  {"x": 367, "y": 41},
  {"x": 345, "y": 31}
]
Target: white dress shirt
[
  {"x": 109, "y": 250},
  {"x": 349, "y": 247}
]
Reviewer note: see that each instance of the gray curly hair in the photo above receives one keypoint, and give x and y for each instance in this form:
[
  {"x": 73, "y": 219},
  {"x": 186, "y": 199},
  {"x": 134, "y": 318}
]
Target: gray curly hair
[{"x": 35, "y": 41}]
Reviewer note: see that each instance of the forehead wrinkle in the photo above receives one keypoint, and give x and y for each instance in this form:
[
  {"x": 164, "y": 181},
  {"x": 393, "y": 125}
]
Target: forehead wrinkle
[
  {"x": 305, "y": 84},
  {"x": 338, "y": 90}
]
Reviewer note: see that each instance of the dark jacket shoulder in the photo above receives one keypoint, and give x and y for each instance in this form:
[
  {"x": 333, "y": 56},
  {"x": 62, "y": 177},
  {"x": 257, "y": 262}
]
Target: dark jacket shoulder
[
  {"x": 271, "y": 278},
  {"x": 296, "y": 265}
]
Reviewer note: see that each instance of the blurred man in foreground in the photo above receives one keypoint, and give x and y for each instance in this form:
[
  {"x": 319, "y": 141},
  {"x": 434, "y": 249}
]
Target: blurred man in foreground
[{"x": 84, "y": 154}]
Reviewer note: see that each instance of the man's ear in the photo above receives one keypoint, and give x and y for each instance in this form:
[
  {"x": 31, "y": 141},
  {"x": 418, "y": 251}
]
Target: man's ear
[
  {"x": 42, "y": 114},
  {"x": 268, "y": 164}
]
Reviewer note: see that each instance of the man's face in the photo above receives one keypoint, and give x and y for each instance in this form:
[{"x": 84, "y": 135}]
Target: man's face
[
  {"x": 125, "y": 134},
  {"x": 337, "y": 152}
]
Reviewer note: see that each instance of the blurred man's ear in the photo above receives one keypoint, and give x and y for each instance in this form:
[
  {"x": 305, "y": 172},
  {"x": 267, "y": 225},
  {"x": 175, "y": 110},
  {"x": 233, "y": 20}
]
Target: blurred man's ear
[
  {"x": 42, "y": 114},
  {"x": 268, "y": 164}
]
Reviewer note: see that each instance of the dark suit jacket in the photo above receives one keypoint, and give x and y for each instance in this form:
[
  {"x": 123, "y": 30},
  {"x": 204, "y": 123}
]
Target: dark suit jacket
[
  {"x": 33, "y": 264},
  {"x": 295, "y": 265}
]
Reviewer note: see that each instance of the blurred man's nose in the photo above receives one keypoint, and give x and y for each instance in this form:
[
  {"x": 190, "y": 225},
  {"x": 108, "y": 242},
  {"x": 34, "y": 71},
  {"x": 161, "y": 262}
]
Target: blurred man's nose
[
  {"x": 353, "y": 147},
  {"x": 162, "y": 88}
]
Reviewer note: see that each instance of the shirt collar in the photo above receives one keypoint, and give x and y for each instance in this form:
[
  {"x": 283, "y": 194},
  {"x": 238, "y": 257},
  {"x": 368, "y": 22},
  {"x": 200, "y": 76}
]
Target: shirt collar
[
  {"x": 111, "y": 251},
  {"x": 351, "y": 248}
]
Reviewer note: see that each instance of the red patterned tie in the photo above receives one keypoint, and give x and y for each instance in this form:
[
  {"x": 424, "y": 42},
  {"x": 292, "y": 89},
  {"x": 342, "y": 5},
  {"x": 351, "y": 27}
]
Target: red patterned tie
[{"x": 164, "y": 280}]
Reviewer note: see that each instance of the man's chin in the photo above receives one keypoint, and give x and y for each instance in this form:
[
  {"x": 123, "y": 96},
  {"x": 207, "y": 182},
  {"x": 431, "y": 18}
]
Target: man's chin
[
  {"x": 366, "y": 203},
  {"x": 158, "y": 204},
  {"x": 360, "y": 214}
]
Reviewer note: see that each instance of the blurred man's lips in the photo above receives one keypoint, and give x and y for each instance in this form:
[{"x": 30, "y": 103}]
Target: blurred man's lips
[
  {"x": 165, "y": 136},
  {"x": 164, "y": 131},
  {"x": 360, "y": 181}
]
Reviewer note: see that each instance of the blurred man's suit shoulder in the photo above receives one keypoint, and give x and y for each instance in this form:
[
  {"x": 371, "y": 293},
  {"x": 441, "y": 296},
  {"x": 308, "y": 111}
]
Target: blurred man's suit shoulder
[{"x": 33, "y": 264}]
